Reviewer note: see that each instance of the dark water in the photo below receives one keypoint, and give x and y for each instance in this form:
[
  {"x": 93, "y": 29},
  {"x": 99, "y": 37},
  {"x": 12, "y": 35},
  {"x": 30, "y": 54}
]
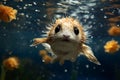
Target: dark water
[{"x": 32, "y": 18}]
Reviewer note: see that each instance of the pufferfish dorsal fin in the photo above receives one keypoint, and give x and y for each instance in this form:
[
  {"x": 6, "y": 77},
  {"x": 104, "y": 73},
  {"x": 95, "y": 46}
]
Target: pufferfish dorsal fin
[{"x": 89, "y": 54}]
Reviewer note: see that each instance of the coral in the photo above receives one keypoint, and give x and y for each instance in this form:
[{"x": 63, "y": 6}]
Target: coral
[
  {"x": 114, "y": 31},
  {"x": 7, "y": 14},
  {"x": 11, "y": 63},
  {"x": 111, "y": 46}
]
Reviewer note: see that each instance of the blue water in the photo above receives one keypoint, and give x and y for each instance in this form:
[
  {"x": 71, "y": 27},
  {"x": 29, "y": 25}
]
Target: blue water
[{"x": 32, "y": 18}]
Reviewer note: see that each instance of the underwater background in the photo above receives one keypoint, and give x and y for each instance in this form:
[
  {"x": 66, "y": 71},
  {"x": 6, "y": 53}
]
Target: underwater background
[{"x": 32, "y": 18}]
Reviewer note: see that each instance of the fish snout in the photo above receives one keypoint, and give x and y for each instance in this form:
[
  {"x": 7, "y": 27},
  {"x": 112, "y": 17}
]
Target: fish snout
[{"x": 66, "y": 37}]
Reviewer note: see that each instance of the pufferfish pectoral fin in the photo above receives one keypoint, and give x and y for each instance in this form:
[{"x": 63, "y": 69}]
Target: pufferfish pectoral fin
[
  {"x": 89, "y": 54},
  {"x": 37, "y": 41},
  {"x": 48, "y": 48}
]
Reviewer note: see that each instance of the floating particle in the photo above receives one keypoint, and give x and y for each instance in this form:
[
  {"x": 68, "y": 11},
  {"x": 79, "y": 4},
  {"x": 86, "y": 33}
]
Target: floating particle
[
  {"x": 111, "y": 46},
  {"x": 87, "y": 66},
  {"x": 11, "y": 63},
  {"x": 7, "y": 14},
  {"x": 66, "y": 70},
  {"x": 114, "y": 31}
]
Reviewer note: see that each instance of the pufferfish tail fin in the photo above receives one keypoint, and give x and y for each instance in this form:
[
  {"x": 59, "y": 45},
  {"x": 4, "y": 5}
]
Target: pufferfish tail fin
[{"x": 89, "y": 54}]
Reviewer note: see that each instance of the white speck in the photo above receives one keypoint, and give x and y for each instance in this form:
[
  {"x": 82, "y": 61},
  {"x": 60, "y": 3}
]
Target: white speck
[
  {"x": 57, "y": 16},
  {"x": 45, "y": 16},
  {"x": 87, "y": 66},
  {"x": 101, "y": 9},
  {"x": 92, "y": 9},
  {"x": 92, "y": 16},
  {"x": 27, "y": 16},
  {"x": 37, "y": 10},
  {"x": 29, "y": 4},
  {"x": 59, "y": 4},
  {"x": 43, "y": 60},
  {"x": 118, "y": 25},
  {"x": 91, "y": 37},
  {"x": 94, "y": 67},
  {"x": 24, "y": 7},
  {"x": 86, "y": 16},
  {"x": 4, "y": 2},
  {"x": 34, "y": 3},
  {"x": 119, "y": 11},
  {"x": 86, "y": 12},
  {"x": 26, "y": 4},
  {"x": 43, "y": 4},
  {"x": 91, "y": 4},
  {"x": 105, "y": 17},
  {"x": 66, "y": 70},
  {"x": 22, "y": 14},
  {"x": 20, "y": 8},
  {"x": 21, "y": 0},
  {"x": 90, "y": 26},
  {"x": 73, "y": 14}
]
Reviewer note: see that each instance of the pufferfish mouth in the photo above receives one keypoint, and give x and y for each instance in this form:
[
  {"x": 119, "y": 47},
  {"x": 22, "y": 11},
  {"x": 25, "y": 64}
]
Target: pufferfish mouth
[{"x": 66, "y": 39}]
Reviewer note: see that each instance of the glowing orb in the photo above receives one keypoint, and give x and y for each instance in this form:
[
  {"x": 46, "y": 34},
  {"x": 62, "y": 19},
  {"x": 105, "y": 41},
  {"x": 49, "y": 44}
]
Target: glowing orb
[
  {"x": 11, "y": 63},
  {"x": 7, "y": 14},
  {"x": 114, "y": 31},
  {"x": 111, "y": 46}
]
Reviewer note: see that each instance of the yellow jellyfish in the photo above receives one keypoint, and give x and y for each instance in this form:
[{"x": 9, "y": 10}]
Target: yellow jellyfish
[
  {"x": 7, "y": 14},
  {"x": 111, "y": 46},
  {"x": 114, "y": 31},
  {"x": 11, "y": 63}
]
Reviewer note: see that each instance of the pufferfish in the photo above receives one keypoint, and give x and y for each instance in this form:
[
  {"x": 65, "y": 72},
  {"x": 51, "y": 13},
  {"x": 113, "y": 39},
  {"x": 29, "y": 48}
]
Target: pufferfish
[{"x": 66, "y": 41}]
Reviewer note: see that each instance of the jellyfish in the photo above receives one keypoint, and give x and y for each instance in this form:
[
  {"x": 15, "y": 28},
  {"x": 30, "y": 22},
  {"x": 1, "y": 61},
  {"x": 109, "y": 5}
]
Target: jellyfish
[
  {"x": 111, "y": 46},
  {"x": 10, "y": 63},
  {"x": 7, "y": 14},
  {"x": 114, "y": 31}
]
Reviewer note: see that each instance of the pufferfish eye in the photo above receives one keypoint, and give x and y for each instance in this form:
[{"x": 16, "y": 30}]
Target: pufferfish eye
[
  {"x": 76, "y": 30},
  {"x": 57, "y": 29}
]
